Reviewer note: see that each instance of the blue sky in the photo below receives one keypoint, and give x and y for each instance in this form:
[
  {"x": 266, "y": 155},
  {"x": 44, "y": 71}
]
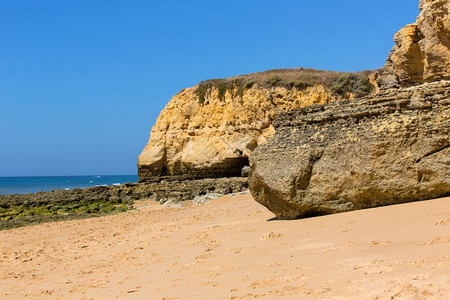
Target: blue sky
[{"x": 82, "y": 82}]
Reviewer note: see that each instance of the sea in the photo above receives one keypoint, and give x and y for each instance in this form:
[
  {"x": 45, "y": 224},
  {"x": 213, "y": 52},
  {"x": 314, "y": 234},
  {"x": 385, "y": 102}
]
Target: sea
[{"x": 24, "y": 185}]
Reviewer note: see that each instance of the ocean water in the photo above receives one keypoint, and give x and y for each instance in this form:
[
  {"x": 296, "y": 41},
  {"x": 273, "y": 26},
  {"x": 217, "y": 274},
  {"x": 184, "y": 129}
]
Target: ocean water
[{"x": 23, "y": 185}]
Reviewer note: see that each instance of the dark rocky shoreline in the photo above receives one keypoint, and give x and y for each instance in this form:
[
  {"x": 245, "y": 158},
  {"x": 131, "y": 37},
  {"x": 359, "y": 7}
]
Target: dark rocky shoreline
[{"x": 26, "y": 209}]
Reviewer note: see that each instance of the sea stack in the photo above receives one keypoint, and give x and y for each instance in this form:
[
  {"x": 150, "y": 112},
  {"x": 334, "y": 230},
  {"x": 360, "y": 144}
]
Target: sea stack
[{"x": 382, "y": 149}]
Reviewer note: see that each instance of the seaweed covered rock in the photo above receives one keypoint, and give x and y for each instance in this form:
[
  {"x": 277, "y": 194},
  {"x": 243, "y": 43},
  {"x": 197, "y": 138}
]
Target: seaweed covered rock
[{"x": 26, "y": 209}]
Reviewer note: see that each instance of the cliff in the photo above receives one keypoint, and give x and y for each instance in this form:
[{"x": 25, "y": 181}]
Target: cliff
[
  {"x": 389, "y": 148},
  {"x": 422, "y": 50},
  {"x": 210, "y": 129}
]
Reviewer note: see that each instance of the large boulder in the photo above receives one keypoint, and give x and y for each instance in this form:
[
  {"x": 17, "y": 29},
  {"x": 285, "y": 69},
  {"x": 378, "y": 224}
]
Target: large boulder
[
  {"x": 209, "y": 130},
  {"x": 390, "y": 148},
  {"x": 422, "y": 50}
]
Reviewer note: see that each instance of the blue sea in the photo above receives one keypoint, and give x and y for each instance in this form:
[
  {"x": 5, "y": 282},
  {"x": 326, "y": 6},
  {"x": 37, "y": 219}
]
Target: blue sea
[{"x": 23, "y": 185}]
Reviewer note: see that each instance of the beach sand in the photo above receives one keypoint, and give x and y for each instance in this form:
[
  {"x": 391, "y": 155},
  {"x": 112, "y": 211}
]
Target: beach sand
[{"x": 231, "y": 248}]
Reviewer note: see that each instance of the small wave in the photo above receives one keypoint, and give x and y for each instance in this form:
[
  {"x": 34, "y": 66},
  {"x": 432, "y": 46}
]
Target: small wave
[
  {"x": 116, "y": 184},
  {"x": 67, "y": 189},
  {"x": 101, "y": 185}
]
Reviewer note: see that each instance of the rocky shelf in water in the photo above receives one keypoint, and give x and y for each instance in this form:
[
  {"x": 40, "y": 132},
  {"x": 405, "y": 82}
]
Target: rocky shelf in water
[{"x": 26, "y": 209}]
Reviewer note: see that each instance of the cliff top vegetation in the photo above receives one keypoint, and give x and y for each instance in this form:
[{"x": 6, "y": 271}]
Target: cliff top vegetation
[{"x": 340, "y": 83}]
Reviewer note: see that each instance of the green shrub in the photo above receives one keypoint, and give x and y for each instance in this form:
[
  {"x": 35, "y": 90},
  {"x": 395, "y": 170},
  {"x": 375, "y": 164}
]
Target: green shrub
[
  {"x": 300, "y": 85},
  {"x": 274, "y": 81},
  {"x": 352, "y": 83}
]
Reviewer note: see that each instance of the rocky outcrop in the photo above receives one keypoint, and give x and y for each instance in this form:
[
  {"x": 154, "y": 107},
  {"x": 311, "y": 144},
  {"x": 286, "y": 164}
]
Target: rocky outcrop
[
  {"x": 386, "y": 149},
  {"x": 162, "y": 189},
  {"x": 422, "y": 50},
  {"x": 209, "y": 130},
  {"x": 27, "y": 209}
]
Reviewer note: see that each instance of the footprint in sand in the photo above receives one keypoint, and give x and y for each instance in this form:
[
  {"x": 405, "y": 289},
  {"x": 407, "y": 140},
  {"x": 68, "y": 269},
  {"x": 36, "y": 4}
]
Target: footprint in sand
[
  {"x": 189, "y": 265},
  {"x": 328, "y": 249},
  {"x": 275, "y": 281},
  {"x": 204, "y": 256},
  {"x": 436, "y": 241},
  {"x": 378, "y": 243},
  {"x": 248, "y": 296},
  {"x": 271, "y": 236},
  {"x": 239, "y": 249},
  {"x": 288, "y": 291},
  {"x": 442, "y": 222},
  {"x": 369, "y": 267}
]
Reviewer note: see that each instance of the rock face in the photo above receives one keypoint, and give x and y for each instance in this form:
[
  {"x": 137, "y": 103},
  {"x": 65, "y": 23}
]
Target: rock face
[
  {"x": 422, "y": 50},
  {"x": 386, "y": 149},
  {"x": 209, "y": 130}
]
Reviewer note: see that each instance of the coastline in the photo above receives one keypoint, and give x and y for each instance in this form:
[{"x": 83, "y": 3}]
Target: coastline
[
  {"x": 10, "y": 185},
  {"x": 27, "y": 209}
]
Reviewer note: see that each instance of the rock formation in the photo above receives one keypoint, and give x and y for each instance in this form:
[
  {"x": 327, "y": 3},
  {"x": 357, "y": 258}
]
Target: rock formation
[
  {"x": 388, "y": 148},
  {"x": 381, "y": 150},
  {"x": 26, "y": 209},
  {"x": 166, "y": 189},
  {"x": 209, "y": 130},
  {"x": 422, "y": 50}
]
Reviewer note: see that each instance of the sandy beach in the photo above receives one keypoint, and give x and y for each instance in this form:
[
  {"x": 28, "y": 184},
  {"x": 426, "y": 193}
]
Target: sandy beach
[{"x": 232, "y": 248}]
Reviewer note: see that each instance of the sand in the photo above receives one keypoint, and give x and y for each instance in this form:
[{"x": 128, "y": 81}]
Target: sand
[{"x": 231, "y": 248}]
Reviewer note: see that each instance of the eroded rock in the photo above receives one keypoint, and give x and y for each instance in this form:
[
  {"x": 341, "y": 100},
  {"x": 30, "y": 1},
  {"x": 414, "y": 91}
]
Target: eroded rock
[
  {"x": 422, "y": 50},
  {"x": 386, "y": 149}
]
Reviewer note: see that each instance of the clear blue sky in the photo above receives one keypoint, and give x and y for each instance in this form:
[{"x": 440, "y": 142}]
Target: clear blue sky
[{"x": 82, "y": 82}]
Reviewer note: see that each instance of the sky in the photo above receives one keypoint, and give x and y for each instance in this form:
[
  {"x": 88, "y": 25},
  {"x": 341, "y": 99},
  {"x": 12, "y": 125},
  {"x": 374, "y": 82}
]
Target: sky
[{"x": 82, "y": 82}]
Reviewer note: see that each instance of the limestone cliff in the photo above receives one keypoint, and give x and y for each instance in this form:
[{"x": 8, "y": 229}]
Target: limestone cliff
[
  {"x": 422, "y": 50},
  {"x": 209, "y": 130}
]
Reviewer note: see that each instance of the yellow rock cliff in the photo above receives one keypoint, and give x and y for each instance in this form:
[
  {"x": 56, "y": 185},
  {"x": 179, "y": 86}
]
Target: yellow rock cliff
[
  {"x": 210, "y": 129},
  {"x": 422, "y": 50}
]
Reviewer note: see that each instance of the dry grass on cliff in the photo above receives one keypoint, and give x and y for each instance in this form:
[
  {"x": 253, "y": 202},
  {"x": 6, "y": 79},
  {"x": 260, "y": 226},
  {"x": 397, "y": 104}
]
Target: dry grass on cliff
[
  {"x": 287, "y": 77},
  {"x": 339, "y": 83}
]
